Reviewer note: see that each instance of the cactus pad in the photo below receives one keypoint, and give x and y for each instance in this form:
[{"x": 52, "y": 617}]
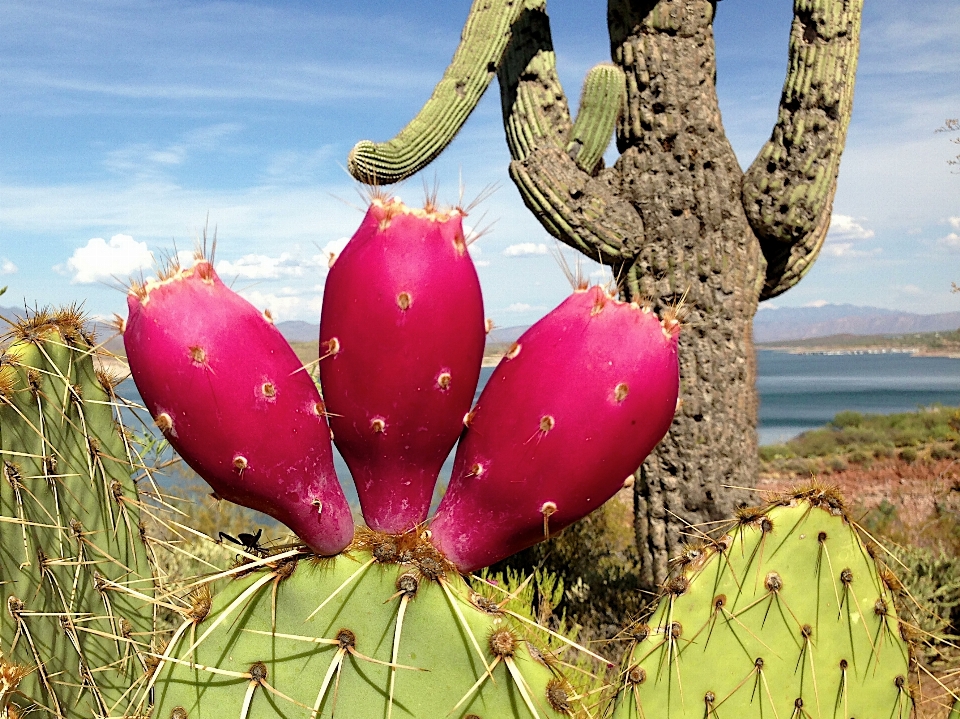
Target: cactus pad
[
  {"x": 787, "y": 615},
  {"x": 379, "y": 631},
  {"x": 72, "y": 630}
]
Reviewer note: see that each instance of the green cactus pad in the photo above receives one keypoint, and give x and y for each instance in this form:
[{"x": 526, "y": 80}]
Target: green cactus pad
[
  {"x": 380, "y": 631},
  {"x": 788, "y": 615},
  {"x": 71, "y": 553}
]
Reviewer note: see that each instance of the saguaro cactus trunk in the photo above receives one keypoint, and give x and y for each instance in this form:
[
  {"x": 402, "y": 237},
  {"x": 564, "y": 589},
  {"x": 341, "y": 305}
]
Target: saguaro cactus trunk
[{"x": 675, "y": 216}]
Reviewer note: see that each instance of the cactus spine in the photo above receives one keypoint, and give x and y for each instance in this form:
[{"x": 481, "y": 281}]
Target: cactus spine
[
  {"x": 675, "y": 213},
  {"x": 75, "y": 580}
]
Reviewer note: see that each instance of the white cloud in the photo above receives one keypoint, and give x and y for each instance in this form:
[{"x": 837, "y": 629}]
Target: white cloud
[
  {"x": 847, "y": 250},
  {"x": 7, "y": 267},
  {"x": 817, "y": 303},
  {"x": 951, "y": 241},
  {"x": 186, "y": 258},
  {"x": 844, "y": 227},
  {"x": 911, "y": 290},
  {"x": 954, "y": 222},
  {"x": 332, "y": 249},
  {"x": 264, "y": 267},
  {"x": 102, "y": 260},
  {"x": 520, "y": 307},
  {"x": 525, "y": 249},
  {"x": 285, "y": 304}
]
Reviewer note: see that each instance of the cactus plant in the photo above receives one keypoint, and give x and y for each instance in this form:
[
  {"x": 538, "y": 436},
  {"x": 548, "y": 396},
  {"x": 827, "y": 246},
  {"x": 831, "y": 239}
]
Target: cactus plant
[
  {"x": 387, "y": 625},
  {"x": 789, "y": 614},
  {"x": 675, "y": 213},
  {"x": 381, "y": 630},
  {"x": 75, "y": 580}
]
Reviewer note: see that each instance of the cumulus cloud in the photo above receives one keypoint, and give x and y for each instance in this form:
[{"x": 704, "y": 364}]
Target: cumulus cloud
[
  {"x": 101, "y": 260},
  {"x": 525, "y": 249},
  {"x": 285, "y": 304},
  {"x": 954, "y": 222},
  {"x": 845, "y": 232},
  {"x": 333, "y": 248},
  {"x": 817, "y": 303},
  {"x": 847, "y": 250},
  {"x": 951, "y": 241},
  {"x": 264, "y": 267},
  {"x": 7, "y": 267},
  {"x": 844, "y": 227}
]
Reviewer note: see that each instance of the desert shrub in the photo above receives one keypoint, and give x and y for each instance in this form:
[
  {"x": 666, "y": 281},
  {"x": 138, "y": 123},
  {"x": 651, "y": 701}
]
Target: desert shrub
[
  {"x": 931, "y": 602},
  {"x": 836, "y": 464},
  {"x": 883, "y": 452},
  {"x": 770, "y": 452},
  {"x": 859, "y": 457},
  {"x": 847, "y": 419},
  {"x": 598, "y": 562},
  {"x": 803, "y": 467},
  {"x": 908, "y": 454},
  {"x": 941, "y": 452}
]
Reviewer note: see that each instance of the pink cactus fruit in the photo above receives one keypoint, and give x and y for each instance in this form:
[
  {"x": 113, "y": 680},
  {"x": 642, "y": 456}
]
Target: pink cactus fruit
[
  {"x": 227, "y": 391},
  {"x": 571, "y": 411},
  {"x": 401, "y": 340}
]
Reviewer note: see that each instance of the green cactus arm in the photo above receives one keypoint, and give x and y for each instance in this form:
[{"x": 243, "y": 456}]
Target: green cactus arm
[
  {"x": 601, "y": 101},
  {"x": 484, "y": 38},
  {"x": 556, "y": 161},
  {"x": 788, "y": 190}
]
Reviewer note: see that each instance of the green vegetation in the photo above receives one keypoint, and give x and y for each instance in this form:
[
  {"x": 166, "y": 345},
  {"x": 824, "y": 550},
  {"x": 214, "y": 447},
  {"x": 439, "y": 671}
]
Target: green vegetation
[{"x": 860, "y": 438}]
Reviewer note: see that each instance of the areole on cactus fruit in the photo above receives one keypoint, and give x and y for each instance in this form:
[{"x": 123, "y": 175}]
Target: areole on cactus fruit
[
  {"x": 230, "y": 395},
  {"x": 402, "y": 335},
  {"x": 572, "y": 410}
]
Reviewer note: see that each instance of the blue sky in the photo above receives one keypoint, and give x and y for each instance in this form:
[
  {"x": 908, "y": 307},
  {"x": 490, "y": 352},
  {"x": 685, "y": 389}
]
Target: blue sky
[{"x": 125, "y": 125}]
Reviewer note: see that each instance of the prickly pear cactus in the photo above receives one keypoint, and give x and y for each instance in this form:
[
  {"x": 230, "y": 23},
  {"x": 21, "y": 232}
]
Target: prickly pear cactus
[
  {"x": 382, "y": 630},
  {"x": 787, "y": 615},
  {"x": 74, "y": 572}
]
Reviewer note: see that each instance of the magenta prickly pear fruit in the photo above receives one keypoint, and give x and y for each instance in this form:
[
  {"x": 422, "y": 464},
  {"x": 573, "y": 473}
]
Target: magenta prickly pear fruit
[
  {"x": 401, "y": 336},
  {"x": 571, "y": 411},
  {"x": 227, "y": 391}
]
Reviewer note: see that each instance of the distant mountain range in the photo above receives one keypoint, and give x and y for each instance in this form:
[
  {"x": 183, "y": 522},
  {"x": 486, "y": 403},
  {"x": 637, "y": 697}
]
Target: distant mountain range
[
  {"x": 796, "y": 323},
  {"x": 770, "y": 325}
]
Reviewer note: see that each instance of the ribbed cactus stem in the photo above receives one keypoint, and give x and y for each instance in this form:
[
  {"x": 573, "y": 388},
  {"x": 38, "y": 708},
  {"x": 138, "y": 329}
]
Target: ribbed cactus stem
[
  {"x": 600, "y": 105},
  {"x": 788, "y": 190},
  {"x": 482, "y": 43}
]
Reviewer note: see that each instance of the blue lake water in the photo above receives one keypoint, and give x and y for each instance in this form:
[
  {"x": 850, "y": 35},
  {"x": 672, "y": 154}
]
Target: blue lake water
[{"x": 800, "y": 392}]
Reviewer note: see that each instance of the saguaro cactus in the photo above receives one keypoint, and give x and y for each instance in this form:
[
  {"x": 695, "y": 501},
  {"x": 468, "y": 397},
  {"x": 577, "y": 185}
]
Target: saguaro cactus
[{"x": 675, "y": 214}]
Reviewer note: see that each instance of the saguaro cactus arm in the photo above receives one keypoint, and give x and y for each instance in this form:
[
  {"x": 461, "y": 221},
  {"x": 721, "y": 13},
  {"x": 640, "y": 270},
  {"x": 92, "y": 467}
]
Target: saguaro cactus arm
[
  {"x": 486, "y": 34},
  {"x": 788, "y": 190},
  {"x": 484, "y": 38}
]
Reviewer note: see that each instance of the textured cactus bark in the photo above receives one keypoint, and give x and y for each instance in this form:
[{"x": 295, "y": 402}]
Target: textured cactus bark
[
  {"x": 675, "y": 215},
  {"x": 75, "y": 580}
]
